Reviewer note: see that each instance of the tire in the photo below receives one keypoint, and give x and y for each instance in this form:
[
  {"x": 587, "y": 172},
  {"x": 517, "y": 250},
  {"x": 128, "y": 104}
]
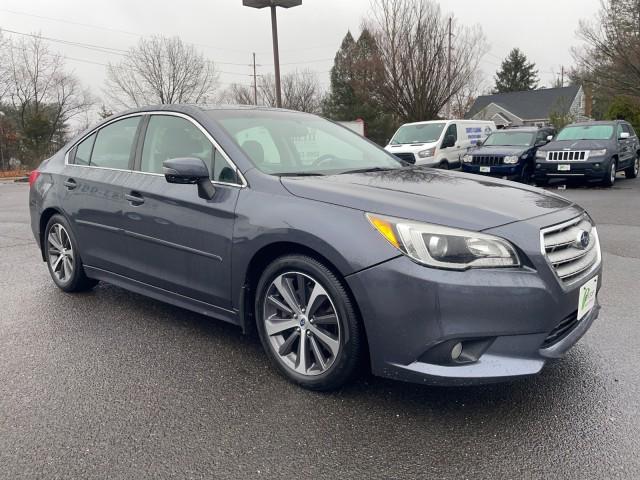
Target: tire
[
  {"x": 610, "y": 177},
  {"x": 63, "y": 257},
  {"x": 443, "y": 165},
  {"x": 632, "y": 171},
  {"x": 333, "y": 338},
  {"x": 525, "y": 176}
]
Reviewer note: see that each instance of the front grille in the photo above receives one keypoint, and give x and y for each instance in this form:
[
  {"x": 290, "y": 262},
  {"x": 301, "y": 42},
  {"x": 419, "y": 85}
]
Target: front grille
[
  {"x": 488, "y": 160},
  {"x": 568, "y": 156},
  {"x": 561, "y": 330},
  {"x": 407, "y": 157},
  {"x": 562, "y": 247}
]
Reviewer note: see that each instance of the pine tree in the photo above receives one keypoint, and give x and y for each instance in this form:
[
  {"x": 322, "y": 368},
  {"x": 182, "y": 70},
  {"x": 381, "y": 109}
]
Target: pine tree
[
  {"x": 355, "y": 76},
  {"x": 516, "y": 73}
]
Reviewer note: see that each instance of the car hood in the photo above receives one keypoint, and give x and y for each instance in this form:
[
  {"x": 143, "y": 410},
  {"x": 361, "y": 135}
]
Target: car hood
[
  {"x": 435, "y": 196},
  {"x": 576, "y": 145},
  {"x": 498, "y": 150},
  {"x": 410, "y": 147}
]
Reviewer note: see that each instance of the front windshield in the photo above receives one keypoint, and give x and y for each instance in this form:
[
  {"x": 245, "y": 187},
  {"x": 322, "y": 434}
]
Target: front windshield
[
  {"x": 291, "y": 143},
  {"x": 510, "y": 139},
  {"x": 418, "y": 133},
  {"x": 586, "y": 132}
]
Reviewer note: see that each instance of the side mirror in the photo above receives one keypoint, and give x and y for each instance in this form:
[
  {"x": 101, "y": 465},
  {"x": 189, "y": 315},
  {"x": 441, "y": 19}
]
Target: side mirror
[
  {"x": 449, "y": 141},
  {"x": 624, "y": 135},
  {"x": 189, "y": 171},
  {"x": 479, "y": 143},
  {"x": 549, "y": 138}
]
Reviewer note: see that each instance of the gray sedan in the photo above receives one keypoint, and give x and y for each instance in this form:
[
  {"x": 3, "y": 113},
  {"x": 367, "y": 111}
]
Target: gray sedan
[{"x": 340, "y": 255}]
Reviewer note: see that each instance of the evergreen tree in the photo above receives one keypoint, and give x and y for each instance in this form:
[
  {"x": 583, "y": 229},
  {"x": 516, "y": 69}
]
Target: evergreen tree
[
  {"x": 356, "y": 74},
  {"x": 516, "y": 73}
]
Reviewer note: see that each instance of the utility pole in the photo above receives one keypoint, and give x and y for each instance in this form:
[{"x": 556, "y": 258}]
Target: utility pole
[
  {"x": 255, "y": 81},
  {"x": 562, "y": 75},
  {"x": 449, "y": 73}
]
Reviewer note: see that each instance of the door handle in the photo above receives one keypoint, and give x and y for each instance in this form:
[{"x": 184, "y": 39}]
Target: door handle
[
  {"x": 134, "y": 199},
  {"x": 70, "y": 183}
]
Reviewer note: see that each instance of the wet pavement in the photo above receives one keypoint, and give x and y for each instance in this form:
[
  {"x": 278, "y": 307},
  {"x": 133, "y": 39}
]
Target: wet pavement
[{"x": 110, "y": 384}]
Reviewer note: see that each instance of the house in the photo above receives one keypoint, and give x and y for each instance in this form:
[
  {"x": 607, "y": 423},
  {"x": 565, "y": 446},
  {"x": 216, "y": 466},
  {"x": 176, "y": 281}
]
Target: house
[{"x": 533, "y": 107}]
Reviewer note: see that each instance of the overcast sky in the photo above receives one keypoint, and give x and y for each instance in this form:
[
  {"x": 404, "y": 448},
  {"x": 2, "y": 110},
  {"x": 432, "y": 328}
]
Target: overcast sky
[{"x": 309, "y": 35}]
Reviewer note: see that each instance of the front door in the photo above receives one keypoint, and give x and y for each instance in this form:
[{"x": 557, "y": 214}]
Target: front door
[{"x": 176, "y": 240}]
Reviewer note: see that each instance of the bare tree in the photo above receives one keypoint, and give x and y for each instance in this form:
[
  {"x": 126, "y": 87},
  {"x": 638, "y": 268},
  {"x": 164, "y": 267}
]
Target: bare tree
[
  {"x": 611, "y": 56},
  {"x": 462, "y": 100},
  {"x": 43, "y": 96},
  {"x": 412, "y": 38},
  {"x": 300, "y": 91},
  {"x": 161, "y": 70}
]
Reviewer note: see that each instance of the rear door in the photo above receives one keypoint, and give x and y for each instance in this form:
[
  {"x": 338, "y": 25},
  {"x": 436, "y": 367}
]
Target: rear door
[
  {"x": 627, "y": 150},
  {"x": 95, "y": 171},
  {"x": 176, "y": 240}
]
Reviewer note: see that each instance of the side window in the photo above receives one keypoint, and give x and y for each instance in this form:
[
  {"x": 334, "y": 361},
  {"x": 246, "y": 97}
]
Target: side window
[
  {"x": 542, "y": 135},
  {"x": 452, "y": 130},
  {"x": 83, "y": 150},
  {"x": 174, "y": 137},
  {"x": 114, "y": 144},
  {"x": 625, "y": 128},
  {"x": 619, "y": 130},
  {"x": 632, "y": 131}
]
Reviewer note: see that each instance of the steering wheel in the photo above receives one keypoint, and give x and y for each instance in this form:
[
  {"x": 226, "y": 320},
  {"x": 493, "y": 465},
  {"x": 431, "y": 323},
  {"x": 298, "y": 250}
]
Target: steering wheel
[{"x": 322, "y": 159}]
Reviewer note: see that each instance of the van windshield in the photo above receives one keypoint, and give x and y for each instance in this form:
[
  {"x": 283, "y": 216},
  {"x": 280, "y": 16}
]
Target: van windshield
[
  {"x": 586, "y": 132},
  {"x": 418, "y": 133},
  {"x": 510, "y": 139}
]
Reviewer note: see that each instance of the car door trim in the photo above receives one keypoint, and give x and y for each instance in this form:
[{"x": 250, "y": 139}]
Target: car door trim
[
  {"x": 243, "y": 180},
  {"x": 177, "y": 246}
]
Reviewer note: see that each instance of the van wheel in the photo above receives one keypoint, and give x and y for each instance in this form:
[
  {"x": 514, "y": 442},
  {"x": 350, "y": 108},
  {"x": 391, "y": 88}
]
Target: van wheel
[
  {"x": 632, "y": 171},
  {"x": 444, "y": 165},
  {"x": 610, "y": 177}
]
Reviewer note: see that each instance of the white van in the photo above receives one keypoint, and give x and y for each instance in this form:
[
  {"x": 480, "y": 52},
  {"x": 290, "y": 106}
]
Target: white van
[{"x": 438, "y": 143}]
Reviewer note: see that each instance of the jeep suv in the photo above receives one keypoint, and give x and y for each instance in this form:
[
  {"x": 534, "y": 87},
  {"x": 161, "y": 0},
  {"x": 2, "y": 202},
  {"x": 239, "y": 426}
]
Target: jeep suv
[
  {"x": 591, "y": 151},
  {"x": 508, "y": 154}
]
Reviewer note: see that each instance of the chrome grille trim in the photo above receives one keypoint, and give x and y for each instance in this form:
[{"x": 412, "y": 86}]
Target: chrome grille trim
[
  {"x": 568, "y": 156},
  {"x": 488, "y": 160},
  {"x": 570, "y": 262}
]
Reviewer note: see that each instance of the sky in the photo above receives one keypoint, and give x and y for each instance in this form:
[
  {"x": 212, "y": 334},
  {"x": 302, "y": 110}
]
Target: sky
[{"x": 228, "y": 33}]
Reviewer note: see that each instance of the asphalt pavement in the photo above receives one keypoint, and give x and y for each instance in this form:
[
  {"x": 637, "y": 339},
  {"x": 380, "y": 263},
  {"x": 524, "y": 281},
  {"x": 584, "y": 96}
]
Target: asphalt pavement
[{"x": 110, "y": 384}]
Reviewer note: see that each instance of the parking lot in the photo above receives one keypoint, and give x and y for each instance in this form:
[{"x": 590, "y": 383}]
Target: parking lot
[{"x": 110, "y": 384}]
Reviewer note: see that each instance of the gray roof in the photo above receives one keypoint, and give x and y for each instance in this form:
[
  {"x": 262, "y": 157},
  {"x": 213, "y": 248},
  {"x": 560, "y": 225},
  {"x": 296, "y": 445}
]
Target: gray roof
[{"x": 530, "y": 105}]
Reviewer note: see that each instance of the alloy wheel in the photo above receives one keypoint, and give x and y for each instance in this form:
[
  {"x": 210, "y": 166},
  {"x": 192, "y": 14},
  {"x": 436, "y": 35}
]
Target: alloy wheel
[
  {"x": 60, "y": 253},
  {"x": 301, "y": 323},
  {"x": 636, "y": 166},
  {"x": 613, "y": 172}
]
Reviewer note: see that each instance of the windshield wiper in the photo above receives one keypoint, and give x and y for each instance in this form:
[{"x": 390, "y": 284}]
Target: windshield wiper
[
  {"x": 300, "y": 174},
  {"x": 369, "y": 169}
]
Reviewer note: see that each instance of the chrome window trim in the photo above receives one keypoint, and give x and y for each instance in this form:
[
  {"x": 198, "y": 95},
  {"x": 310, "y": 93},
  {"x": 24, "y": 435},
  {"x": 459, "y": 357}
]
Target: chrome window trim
[{"x": 244, "y": 183}]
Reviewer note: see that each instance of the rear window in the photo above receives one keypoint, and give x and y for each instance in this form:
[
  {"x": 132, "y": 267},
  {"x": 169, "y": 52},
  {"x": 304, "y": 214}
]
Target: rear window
[{"x": 586, "y": 132}]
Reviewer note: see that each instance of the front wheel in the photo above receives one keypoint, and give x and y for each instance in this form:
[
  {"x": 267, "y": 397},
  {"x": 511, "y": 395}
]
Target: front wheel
[
  {"x": 610, "y": 177},
  {"x": 307, "y": 323},
  {"x": 63, "y": 257},
  {"x": 632, "y": 171}
]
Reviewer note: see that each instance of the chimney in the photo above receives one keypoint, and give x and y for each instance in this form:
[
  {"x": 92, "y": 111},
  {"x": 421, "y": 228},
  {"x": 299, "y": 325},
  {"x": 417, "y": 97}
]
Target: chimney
[{"x": 588, "y": 101}]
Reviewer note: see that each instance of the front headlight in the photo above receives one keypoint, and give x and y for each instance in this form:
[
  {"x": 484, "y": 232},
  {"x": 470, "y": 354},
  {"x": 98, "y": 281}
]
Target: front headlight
[
  {"x": 467, "y": 158},
  {"x": 444, "y": 247},
  {"x": 541, "y": 155},
  {"x": 598, "y": 153},
  {"x": 510, "y": 159},
  {"x": 426, "y": 153}
]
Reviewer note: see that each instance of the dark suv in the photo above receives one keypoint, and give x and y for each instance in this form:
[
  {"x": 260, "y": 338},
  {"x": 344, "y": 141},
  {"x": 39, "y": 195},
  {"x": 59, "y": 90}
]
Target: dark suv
[
  {"x": 508, "y": 154},
  {"x": 591, "y": 151}
]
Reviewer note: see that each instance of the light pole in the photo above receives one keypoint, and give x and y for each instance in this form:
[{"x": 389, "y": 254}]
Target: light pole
[{"x": 272, "y": 4}]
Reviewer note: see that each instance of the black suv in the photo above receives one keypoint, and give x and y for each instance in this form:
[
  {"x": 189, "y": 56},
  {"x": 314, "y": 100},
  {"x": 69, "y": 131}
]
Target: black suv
[
  {"x": 508, "y": 153},
  {"x": 591, "y": 151}
]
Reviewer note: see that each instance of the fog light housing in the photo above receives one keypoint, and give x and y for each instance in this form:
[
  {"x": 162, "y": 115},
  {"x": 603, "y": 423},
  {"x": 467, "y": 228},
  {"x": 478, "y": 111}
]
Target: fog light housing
[{"x": 456, "y": 351}]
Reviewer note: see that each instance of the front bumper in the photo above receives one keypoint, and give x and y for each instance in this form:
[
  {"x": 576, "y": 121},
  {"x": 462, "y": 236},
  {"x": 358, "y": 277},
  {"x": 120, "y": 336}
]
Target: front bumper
[
  {"x": 507, "y": 172},
  {"x": 591, "y": 171},
  {"x": 409, "y": 309}
]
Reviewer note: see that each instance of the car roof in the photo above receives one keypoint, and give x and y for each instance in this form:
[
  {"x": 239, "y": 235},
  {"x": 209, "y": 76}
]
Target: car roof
[
  {"x": 522, "y": 129},
  {"x": 596, "y": 122}
]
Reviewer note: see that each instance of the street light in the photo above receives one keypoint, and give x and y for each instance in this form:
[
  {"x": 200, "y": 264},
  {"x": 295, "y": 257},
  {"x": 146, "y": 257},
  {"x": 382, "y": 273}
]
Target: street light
[{"x": 274, "y": 32}]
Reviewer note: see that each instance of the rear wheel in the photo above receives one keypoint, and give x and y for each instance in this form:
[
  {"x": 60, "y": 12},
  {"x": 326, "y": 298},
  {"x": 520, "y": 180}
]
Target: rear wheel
[
  {"x": 63, "y": 257},
  {"x": 632, "y": 171},
  {"x": 610, "y": 177},
  {"x": 307, "y": 323}
]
